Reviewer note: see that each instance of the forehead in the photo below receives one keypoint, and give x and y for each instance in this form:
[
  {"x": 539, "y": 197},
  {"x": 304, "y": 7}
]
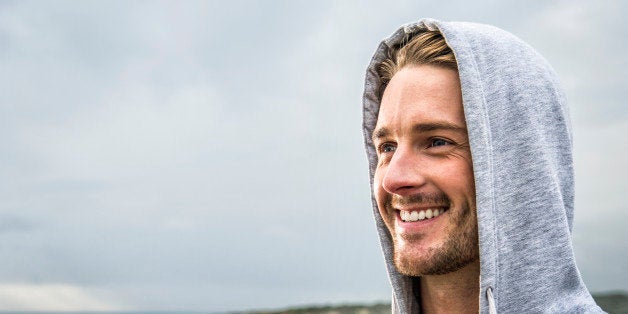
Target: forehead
[{"x": 421, "y": 94}]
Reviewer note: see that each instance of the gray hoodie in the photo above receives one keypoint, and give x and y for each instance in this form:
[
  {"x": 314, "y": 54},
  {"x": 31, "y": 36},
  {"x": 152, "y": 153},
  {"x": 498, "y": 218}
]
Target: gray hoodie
[{"x": 520, "y": 137}]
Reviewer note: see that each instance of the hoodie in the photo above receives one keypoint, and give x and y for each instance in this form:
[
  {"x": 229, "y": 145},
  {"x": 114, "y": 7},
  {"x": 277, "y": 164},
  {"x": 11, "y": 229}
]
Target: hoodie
[{"x": 521, "y": 147}]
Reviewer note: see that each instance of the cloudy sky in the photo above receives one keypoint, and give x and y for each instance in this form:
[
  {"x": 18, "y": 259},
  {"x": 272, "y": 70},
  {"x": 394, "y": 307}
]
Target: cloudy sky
[{"x": 208, "y": 155}]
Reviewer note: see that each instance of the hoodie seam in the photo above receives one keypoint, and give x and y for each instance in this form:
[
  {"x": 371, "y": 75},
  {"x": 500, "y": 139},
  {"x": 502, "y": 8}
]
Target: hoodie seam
[{"x": 489, "y": 158}]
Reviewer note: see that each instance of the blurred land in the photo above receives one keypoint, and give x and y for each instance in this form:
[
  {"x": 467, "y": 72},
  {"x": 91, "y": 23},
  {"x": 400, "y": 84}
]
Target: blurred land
[{"x": 613, "y": 303}]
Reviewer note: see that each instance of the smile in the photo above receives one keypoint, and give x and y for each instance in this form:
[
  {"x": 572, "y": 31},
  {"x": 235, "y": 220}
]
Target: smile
[{"x": 416, "y": 215}]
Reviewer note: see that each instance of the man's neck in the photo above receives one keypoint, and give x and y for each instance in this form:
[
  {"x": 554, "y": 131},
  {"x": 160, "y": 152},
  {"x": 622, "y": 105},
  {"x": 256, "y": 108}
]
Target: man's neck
[{"x": 456, "y": 292}]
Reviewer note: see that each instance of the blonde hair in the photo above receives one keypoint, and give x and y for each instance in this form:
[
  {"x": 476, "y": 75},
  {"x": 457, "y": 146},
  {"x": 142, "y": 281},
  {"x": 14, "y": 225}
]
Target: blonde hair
[{"x": 426, "y": 47}]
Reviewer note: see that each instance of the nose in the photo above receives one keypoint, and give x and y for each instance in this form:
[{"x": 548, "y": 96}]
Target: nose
[{"x": 404, "y": 173}]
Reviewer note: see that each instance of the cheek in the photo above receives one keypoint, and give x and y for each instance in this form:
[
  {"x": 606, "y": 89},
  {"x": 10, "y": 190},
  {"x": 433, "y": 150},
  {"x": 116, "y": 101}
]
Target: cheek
[
  {"x": 461, "y": 178},
  {"x": 378, "y": 190},
  {"x": 377, "y": 184},
  {"x": 468, "y": 177}
]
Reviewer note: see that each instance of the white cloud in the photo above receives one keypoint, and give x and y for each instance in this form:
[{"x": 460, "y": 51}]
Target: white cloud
[{"x": 51, "y": 297}]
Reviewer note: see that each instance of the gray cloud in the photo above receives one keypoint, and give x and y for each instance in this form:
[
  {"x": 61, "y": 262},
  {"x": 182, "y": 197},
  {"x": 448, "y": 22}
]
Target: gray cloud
[{"x": 208, "y": 156}]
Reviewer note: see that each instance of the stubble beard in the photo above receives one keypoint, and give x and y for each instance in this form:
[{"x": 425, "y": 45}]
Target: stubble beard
[{"x": 459, "y": 250}]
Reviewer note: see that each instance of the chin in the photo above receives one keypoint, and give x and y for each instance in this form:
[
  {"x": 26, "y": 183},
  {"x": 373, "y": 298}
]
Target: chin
[{"x": 434, "y": 261}]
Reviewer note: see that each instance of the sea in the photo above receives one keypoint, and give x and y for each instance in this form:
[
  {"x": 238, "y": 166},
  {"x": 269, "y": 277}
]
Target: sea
[{"x": 109, "y": 312}]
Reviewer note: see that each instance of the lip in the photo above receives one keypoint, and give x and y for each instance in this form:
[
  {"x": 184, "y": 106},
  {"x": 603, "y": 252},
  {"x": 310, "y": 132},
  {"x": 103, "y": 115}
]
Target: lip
[
  {"x": 420, "y": 208},
  {"x": 416, "y": 226}
]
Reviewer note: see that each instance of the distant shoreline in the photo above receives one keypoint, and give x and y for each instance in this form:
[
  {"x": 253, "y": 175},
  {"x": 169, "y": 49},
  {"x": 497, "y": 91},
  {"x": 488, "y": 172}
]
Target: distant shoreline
[
  {"x": 614, "y": 302},
  {"x": 611, "y": 302}
]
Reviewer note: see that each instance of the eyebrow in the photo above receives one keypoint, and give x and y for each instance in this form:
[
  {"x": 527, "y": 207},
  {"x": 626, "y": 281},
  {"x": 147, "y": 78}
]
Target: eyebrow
[{"x": 420, "y": 128}]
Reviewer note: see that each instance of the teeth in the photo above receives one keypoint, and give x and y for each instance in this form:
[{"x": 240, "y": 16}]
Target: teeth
[
  {"x": 414, "y": 216},
  {"x": 428, "y": 213},
  {"x": 420, "y": 215},
  {"x": 405, "y": 215}
]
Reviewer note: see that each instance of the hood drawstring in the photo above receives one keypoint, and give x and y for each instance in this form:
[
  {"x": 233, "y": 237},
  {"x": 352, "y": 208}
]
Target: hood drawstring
[{"x": 491, "y": 301}]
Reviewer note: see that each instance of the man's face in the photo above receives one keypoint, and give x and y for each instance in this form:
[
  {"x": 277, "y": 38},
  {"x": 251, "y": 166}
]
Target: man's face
[{"x": 424, "y": 183}]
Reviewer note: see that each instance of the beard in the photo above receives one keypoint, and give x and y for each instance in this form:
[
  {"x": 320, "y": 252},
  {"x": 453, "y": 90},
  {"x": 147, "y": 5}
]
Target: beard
[{"x": 459, "y": 249}]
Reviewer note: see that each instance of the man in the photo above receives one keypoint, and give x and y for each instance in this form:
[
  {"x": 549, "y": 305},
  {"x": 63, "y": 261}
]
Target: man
[{"x": 469, "y": 146}]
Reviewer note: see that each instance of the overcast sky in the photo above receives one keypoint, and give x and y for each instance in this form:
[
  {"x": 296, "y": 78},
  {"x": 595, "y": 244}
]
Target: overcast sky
[{"x": 208, "y": 155}]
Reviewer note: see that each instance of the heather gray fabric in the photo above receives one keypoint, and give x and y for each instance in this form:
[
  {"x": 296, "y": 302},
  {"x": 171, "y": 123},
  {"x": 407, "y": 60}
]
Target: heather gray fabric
[{"x": 520, "y": 136}]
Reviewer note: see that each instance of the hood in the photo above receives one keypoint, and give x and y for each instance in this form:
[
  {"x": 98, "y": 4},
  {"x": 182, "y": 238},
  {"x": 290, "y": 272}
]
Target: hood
[{"x": 521, "y": 146}]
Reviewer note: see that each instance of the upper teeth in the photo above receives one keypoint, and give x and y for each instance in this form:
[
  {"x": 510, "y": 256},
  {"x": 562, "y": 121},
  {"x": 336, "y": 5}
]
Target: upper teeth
[{"x": 420, "y": 215}]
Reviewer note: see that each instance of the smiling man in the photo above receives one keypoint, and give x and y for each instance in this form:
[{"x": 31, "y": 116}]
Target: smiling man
[{"x": 469, "y": 147}]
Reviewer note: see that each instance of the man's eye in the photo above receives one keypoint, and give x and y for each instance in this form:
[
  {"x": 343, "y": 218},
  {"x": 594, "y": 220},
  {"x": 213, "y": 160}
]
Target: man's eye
[
  {"x": 439, "y": 142},
  {"x": 387, "y": 148}
]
